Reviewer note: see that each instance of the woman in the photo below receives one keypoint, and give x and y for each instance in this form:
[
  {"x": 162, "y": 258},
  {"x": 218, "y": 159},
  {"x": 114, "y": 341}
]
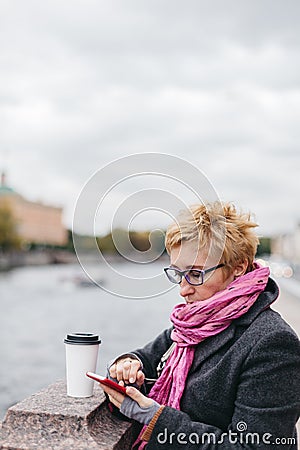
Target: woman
[{"x": 227, "y": 374}]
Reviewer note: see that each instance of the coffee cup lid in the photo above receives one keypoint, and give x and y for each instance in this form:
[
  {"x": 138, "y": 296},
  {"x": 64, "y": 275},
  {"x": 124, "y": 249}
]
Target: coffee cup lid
[{"x": 82, "y": 339}]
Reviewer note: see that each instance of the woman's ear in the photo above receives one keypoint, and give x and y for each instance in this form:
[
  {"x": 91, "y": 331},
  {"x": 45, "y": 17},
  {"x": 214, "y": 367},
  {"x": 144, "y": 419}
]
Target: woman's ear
[{"x": 240, "y": 269}]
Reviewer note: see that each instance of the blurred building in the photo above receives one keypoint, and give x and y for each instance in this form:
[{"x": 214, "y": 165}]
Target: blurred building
[
  {"x": 287, "y": 246},
  {"x": 36, "y": 222}
]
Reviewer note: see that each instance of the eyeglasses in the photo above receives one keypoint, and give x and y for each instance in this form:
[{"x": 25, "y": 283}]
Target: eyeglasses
[{"x": 194, "y": 277}]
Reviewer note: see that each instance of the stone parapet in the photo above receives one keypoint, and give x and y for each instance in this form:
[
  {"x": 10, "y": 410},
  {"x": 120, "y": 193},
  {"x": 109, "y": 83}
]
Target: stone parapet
[{"x": 51, "y": 420}]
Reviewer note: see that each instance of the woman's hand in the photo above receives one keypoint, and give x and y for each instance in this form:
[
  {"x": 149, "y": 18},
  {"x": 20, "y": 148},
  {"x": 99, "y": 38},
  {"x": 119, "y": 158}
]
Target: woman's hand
[
  {"x": 117, "y": 398},
  {"x": 127, "y": 370},
  {"x": 134, "y": 405}
]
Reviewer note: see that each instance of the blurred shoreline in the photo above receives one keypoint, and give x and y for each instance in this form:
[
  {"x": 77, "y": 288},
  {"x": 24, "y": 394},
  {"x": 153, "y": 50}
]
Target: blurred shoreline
[
  {"x": 57, "y": 256},
  {"x": 36, "y": 258}
]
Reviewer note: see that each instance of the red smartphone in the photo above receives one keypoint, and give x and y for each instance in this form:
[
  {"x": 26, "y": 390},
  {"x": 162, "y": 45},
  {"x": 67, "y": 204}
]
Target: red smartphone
[{"x": 107, "y": 382}]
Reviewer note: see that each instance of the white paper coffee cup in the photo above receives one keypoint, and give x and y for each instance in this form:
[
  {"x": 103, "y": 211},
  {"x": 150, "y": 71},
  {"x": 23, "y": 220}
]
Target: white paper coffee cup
[{"x": 81, "y": 357}]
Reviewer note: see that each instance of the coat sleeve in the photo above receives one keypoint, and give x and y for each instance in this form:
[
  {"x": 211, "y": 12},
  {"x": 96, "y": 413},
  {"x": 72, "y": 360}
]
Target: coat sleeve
[{"x": 266, "y": 407}]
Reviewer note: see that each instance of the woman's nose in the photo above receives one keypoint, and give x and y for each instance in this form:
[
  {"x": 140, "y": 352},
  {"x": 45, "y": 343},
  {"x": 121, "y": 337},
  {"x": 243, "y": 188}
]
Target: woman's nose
[{"x": 186, "y": 288}]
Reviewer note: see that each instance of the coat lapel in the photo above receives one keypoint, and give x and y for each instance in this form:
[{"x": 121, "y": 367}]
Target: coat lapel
[{"x": 212, "y": 344}]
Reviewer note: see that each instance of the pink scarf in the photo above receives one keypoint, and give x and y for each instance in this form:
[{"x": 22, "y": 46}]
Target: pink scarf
[{"x": 197, "y": 321}]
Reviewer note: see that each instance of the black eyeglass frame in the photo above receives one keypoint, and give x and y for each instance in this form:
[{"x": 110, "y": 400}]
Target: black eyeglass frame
[{"x": 184, "y": 273}]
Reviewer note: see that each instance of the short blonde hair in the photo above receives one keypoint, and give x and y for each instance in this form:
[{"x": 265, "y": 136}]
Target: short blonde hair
[{"x": 219, "y": 227}]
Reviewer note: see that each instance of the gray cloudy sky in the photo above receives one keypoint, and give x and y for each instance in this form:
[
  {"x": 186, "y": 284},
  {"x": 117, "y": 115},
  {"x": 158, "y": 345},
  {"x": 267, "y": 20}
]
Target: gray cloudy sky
[{"x": 83, "y": 82}]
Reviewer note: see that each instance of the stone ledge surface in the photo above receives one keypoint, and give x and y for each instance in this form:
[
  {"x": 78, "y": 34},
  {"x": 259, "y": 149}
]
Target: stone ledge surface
[{"x": 50, "y": 420}]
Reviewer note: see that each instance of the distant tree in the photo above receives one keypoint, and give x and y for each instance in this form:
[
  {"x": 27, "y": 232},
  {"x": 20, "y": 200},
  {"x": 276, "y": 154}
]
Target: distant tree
[
  {"x": 9, "y": 239},
  {"x": 106, "y": 244},
  {"x": 140, "y": 240},
  {"x": 125, "y": 242},
  {"x": 264, "y": 247},
  {"x": 158, "y": 241}
]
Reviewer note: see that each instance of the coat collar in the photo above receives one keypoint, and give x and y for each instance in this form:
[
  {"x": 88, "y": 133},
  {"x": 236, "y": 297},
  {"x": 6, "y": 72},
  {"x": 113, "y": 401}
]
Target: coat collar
[{"x": 214, "y": 343}]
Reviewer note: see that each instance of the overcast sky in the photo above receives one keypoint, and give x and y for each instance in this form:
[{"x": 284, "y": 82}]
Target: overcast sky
[{"x": 214, "y": 82}]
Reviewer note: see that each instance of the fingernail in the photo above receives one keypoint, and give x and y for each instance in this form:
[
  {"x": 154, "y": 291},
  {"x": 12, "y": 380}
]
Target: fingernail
[{"x": 131, "y": 380}]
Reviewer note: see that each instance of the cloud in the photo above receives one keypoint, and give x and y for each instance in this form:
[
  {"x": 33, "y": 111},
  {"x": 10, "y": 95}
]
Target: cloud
[{"x": 83, "y": 83}]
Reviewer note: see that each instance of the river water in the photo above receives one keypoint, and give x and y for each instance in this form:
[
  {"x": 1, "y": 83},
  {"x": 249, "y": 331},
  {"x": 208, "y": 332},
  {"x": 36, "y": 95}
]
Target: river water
[{"x": 39, "y": 305}]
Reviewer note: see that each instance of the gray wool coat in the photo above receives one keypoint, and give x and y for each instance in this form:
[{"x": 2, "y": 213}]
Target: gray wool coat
[{"x": 243, "y": 389}]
